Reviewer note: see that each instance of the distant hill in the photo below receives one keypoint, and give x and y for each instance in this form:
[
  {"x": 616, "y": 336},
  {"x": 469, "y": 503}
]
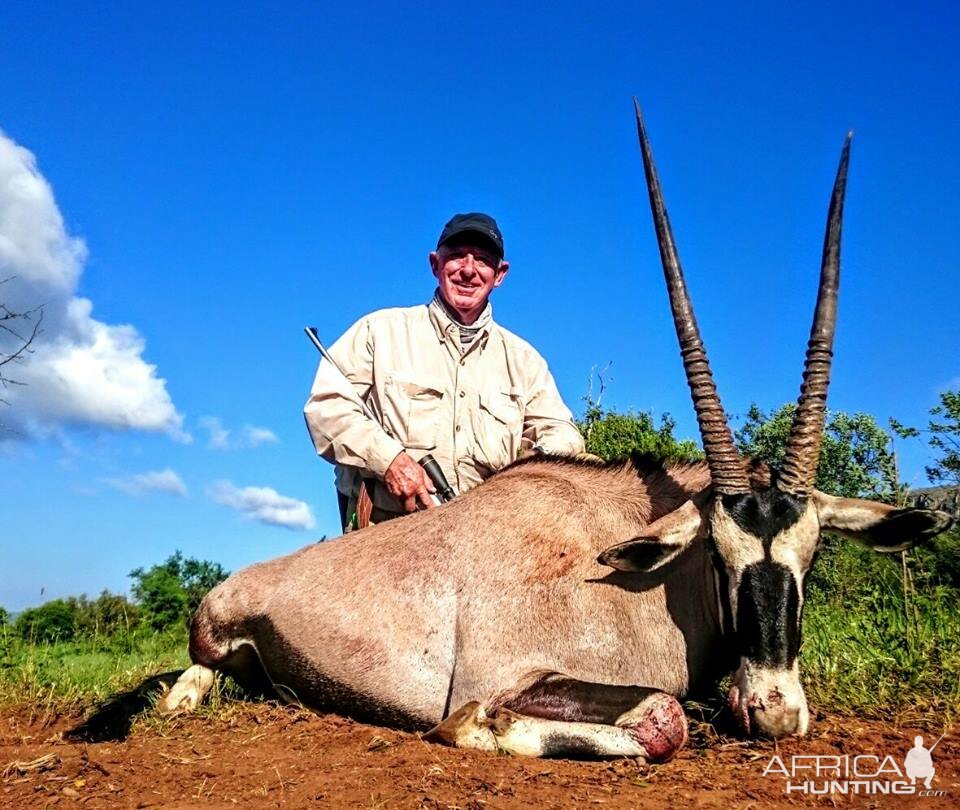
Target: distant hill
[{"x": 947, "y": 499}]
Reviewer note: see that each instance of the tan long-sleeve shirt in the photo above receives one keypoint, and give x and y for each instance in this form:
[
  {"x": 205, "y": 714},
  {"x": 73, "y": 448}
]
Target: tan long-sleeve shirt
[{"x": 472, "y": 411}]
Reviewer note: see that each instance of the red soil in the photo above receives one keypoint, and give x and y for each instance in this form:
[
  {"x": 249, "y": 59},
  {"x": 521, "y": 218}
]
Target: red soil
[{"x": 260, "y": 755}]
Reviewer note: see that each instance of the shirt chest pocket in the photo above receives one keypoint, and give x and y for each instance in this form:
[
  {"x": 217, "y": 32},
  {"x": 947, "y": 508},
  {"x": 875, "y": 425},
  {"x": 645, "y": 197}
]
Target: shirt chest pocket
[
  {"x": 412, "y": 412},
  {"x": 498, "y": 428}
]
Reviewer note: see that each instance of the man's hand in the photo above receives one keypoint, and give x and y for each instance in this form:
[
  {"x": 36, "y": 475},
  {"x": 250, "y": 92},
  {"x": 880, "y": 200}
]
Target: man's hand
[{"x": 408, "y": 482}]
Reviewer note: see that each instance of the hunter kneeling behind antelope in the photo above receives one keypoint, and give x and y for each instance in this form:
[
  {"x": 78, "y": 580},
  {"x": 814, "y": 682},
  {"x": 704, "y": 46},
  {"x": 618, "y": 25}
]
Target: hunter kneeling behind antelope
[{"x": 497, "y": 619}]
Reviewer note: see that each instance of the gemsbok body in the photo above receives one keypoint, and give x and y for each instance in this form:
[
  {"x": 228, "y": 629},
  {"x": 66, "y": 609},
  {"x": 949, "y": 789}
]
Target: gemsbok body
[{"x": 563, "y": 606}]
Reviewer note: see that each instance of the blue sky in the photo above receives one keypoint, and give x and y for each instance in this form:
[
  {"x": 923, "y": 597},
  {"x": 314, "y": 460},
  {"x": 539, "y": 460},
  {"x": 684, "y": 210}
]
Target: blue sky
[{"x": 214, "y": 179}]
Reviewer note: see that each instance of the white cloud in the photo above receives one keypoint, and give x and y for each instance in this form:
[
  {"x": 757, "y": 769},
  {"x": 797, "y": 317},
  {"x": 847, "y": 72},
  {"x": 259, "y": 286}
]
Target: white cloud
[
  {"x": 219, "y": 436},
  {"x": 263, "y": 504},
  {"x": 223, "y": 438},
  {"x": 82, "y": 372},
  {"x": 255, "y": 436},
  {"x": 166, "y": 481}
]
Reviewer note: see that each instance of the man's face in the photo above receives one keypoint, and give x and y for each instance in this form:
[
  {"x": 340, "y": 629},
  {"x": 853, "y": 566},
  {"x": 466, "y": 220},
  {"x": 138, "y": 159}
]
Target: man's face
[{"x": 467, "y": 274}]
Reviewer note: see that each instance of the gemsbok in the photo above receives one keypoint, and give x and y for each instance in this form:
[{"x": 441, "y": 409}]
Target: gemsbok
[{"x": 563, "y": 606}]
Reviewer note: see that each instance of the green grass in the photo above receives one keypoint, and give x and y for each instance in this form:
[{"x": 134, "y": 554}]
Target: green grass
[
  {"x": 876, "y": 646},
  {"x": 879, "y": 659},
  {"x": 62, "y": 676}
]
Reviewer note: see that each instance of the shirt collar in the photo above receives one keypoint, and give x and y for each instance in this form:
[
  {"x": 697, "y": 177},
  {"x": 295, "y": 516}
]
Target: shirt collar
[{"x": 445, "y": 324}]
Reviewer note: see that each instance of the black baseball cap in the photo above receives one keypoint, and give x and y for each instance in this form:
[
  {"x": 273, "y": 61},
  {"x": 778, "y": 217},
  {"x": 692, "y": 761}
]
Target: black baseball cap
[{"x": 467, "y": 227}]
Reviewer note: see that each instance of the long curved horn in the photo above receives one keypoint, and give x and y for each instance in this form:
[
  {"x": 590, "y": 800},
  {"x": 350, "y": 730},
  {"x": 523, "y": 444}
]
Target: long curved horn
[
  {"x": 726, "y": 468},
  {"x": 799, "y": 470}
]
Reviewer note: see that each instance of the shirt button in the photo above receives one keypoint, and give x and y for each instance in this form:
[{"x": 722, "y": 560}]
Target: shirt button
[
  {"x": 463, "y": 362},
  {"x": 463, "y": 393},
  {"x": 457, "y": 428}
]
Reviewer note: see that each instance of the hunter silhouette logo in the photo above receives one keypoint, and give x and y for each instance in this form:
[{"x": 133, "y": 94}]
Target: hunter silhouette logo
[
  {"x": 919, "y": 763},
  {"x": 859, "y": 774}
]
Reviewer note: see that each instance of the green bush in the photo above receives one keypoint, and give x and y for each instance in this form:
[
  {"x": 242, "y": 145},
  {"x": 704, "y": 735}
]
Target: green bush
[
  {"x": 170, "y": 592},
  {"x": 856, "y": 456},
  {"x": 943, "y": 437},
  {"x": 612, "y": 435},
  {"x": 53, "y": 621},
  {"x": 163, "y": 602},
  {"x": 106, "y": 615}
]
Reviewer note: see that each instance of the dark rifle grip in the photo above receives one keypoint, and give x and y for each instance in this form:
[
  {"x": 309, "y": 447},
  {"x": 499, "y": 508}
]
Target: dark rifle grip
[{"x": 444, "y": 491}]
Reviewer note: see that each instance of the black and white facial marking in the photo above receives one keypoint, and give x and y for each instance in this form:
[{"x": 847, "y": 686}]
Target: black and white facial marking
[
  {"x": 768, "y": 615},
  {"x": 767, "y": 540},
  {"x": 767, "y": 566}
]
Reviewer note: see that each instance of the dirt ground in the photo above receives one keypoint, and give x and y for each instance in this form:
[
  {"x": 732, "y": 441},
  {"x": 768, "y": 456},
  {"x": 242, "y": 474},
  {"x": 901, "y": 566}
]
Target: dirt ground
[{"x": 261, "y": 755}]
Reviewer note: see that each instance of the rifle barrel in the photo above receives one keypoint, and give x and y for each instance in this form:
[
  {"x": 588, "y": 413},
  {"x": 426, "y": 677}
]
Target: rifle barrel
[
  {"x": 444, "y": 491},
  {"x": 315, "y": 340}
]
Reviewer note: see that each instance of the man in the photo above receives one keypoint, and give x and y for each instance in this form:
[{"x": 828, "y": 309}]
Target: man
[{"x": 442, "y": 379}]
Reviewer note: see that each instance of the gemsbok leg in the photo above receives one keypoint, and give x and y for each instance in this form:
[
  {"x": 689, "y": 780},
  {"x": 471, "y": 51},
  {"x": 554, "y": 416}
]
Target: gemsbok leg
[
  {"x": 549, "y": 715},
  {"x": 189, "y": 690},
  {"x": 234, "y": 656}
]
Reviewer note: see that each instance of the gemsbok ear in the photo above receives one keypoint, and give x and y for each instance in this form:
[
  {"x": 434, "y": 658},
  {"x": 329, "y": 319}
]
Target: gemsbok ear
[
  {"x": 881, "y": 527},
  {"x": 663, "y": 541}
]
